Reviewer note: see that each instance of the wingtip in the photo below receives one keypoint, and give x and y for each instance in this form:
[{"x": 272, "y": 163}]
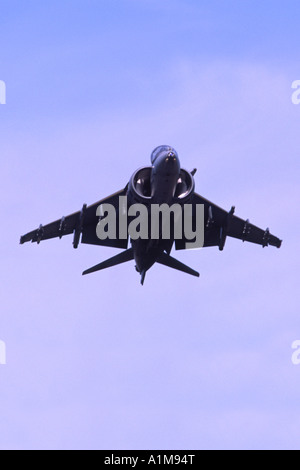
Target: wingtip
[{"x": 87, "y": 271}]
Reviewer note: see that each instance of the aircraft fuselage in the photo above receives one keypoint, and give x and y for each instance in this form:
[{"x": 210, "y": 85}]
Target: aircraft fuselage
[{"x": 164, "y": 180}]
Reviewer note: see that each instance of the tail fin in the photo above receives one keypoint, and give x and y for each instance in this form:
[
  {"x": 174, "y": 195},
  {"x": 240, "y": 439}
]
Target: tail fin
[
  {"x": 123, "y": 257},
  {"x": 167, "y": 260}
]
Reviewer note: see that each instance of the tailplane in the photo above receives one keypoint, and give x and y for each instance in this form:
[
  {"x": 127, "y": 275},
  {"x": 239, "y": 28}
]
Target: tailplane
[
  {"x": 127, "y": 255},
  {"x": 123, "y": 257},
  {"x": 167, "y": 260}
]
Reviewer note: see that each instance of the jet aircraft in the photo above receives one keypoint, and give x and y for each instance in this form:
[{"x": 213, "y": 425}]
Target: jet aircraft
[{"x": 164, "y": 182}]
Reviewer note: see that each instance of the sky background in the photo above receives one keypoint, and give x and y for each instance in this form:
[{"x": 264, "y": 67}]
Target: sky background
[{"x": 99, "y": 362}]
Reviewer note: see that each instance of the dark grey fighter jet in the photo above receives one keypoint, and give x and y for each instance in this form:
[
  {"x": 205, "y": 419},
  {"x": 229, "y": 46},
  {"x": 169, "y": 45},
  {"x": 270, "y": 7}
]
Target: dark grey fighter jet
[{"x": 164, "y": 182}]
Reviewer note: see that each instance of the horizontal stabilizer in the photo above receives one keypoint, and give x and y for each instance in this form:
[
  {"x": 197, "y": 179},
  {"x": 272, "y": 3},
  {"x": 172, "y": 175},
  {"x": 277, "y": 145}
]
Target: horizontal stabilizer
[
  {"x": 167, "y": 260},
  {"x": 118, "y": 259}
]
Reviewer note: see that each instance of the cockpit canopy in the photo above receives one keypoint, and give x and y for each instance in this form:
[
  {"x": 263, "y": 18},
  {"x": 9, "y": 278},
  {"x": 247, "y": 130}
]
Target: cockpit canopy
[{"x": 162, "y": 150}]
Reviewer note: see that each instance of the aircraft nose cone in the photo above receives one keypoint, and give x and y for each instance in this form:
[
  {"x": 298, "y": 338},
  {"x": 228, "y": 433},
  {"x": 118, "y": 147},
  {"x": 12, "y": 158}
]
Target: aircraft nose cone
[{"x": 171, "y": 158}]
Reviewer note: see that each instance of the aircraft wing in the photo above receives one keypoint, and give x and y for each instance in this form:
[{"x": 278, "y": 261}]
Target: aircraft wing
[
  {"x": 82, "y": 222},
  {"x": 218, "y": 224}
]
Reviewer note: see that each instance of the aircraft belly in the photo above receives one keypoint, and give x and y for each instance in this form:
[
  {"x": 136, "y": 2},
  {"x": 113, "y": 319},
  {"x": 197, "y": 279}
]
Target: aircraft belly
[{"x": 146, "y": 252}]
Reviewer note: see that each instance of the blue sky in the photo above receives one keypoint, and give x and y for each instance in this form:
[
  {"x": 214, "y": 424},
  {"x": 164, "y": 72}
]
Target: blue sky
[{"x": 182, "y": 363}]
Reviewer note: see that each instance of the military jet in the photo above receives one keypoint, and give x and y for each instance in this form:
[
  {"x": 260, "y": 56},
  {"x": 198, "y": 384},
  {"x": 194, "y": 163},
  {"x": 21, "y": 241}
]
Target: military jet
[{"x": 163, "y": 183}]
